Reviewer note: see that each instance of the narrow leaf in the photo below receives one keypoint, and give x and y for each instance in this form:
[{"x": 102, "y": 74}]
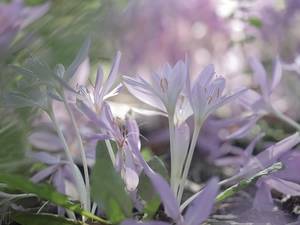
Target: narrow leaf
[
  {"x": 24, "y": 218},
  {"x": 252, "y": 180},
  {"x": 46, "y": 192}
]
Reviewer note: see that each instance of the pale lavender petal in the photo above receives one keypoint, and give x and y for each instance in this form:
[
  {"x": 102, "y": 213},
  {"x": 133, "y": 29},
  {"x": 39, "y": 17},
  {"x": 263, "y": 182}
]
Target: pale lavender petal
[
  {"x": 199, "y": 102},
  {"x": 271, "y": 154},
  {"x": 248, "y": 99},
  {"x": 292, "y": 161},
  {"x": 98, "y": 84},
  {"x": 261, "y": 76},
  {"x": 133, "y": 130},
  {"x": 176, "y": 83},
  {"x": 249, "y": 150},
  {"x": 58, "y": 181},
  {"x": 45, "y": 140},
  {"x": 44, "y": 173},
  {"x": 243, "y": 130},
  {"x": 113, "y": 74},
  {"x": 114, "y": 92},
  {"x": 140, "y": 91},
  {"x": 149, "y": 112},
  {"x": 90, "y": 114},
  {"x": 277, "y": 74},
  {"x": 131, "y": 176},
  {"x": 205, "y": 76},
  {"x": 283, "y": 186},
  {"x": 131, "y": 179},
  {"x": 201, "y": 207},
  {"x": 229, "y": 161},
  {"x": 99, "y": 136},
  {"x": 225, "y": 101},
  {"x": 263, "y": 199},
  {"x": 43, "y": 157},
  {"x": 111, "y": 77},
  {"x": 68, "y": 173}
]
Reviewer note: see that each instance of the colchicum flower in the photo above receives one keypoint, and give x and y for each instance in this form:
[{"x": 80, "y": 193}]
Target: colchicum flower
[
  {"x": 90, "y": 103},
  {"x": 164, "y": 96},
  {"x": 257, "y": 104}
]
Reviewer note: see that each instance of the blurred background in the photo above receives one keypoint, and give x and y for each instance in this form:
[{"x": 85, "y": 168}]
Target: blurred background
[{"x": 149, "y": 33}]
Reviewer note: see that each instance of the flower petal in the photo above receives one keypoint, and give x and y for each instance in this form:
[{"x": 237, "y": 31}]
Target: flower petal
[{"x": 201, "y": 207}]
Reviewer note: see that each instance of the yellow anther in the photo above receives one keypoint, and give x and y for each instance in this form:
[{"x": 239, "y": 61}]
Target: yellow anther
[
  {"x": 218, "y": 93},
  {"x": 209, "y": 99},
  {"x": 161, "y": 85}
]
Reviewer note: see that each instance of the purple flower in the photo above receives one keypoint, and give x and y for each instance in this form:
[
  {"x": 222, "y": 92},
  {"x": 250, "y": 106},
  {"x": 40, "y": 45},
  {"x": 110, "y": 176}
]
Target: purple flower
[
  {"x": 59, "y": 170},
  {"x": 250, "y": 165},
  {"x": 206, "y": 95},
  {"x": 14, "y": 16},
  {"x": 164, "y": 96},
  {"x": 286, "y": 181},
  {"x": 258, "y": 104},
  {"x": 125, "y": 159},
  {"x": 90, "y": 103}
]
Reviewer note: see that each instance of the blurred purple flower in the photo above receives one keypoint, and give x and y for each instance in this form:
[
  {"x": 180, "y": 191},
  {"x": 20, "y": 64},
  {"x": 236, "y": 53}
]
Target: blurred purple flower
[
  {"x": 257, "y": 104},
  {"x": 286, "y": 181},
  {"x": 14, "y": 16},
  {"x": 250, "y": 165}
]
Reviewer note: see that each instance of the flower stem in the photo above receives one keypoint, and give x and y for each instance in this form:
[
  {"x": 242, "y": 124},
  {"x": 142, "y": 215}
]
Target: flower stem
[
  {"x": 174, "y": 187},
  {"x": 79, "y": 182},
  {"x": 81, "y": 148},
  {"x": 110, "y": 150},
  {"x": 286, "y": 119},
  {"x": 188, "y": 161}
]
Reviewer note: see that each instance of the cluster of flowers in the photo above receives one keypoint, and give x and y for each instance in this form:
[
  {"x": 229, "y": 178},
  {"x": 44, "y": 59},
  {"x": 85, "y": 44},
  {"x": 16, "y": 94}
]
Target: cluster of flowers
[{"x": 173, "y": 96}]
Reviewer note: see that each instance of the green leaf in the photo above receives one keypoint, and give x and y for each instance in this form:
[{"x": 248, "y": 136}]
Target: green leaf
[
  {"x": 46, "y": 192},
  {"x": 24, "y": 218},
  {"x": 147, "y": 153},
  {"x": 252, "y": 180},
  {"x": 145, "y": 189},
  {"x": 255, "y": 22},
  {"x": 108, "y": 188}
]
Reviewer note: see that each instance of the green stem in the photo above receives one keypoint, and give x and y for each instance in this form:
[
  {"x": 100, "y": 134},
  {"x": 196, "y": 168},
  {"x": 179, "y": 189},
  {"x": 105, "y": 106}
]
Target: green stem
[
  {"x": 109, "y": 147},
  {"x": 79, "y": 182},
  {"x": 82, "y": 152},
  {"x": 188, "y": 161}
]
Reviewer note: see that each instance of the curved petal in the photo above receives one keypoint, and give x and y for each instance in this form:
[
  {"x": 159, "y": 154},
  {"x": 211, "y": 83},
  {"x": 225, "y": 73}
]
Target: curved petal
[
  {"x": 263, "y": 199},
  {"x": 261, "y": 76},
  {"x": 201, "y": 207},
  {"x": 43, "y": 157},
  {"x": 277, "y": 74}
]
